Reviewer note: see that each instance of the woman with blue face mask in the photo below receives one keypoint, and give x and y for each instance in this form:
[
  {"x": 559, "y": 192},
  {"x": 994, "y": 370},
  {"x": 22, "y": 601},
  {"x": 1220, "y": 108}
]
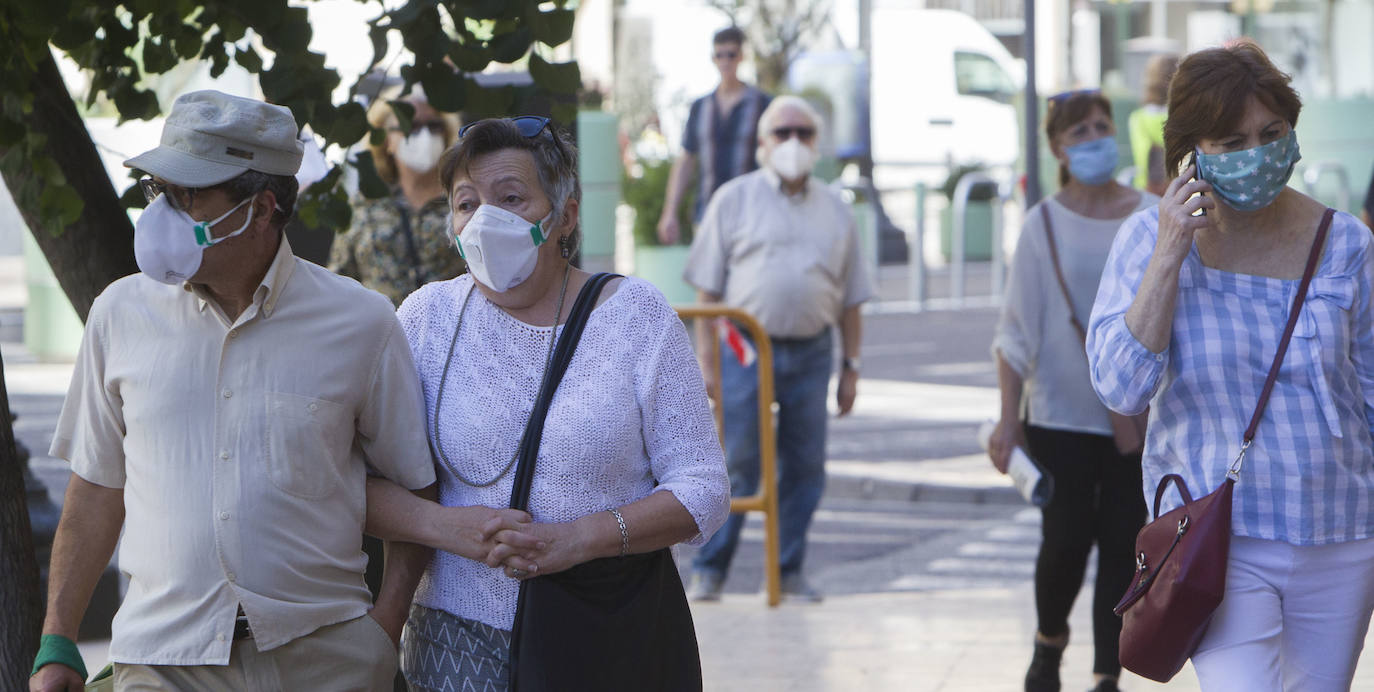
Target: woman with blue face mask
[
  {"x": 1193, "y": 305},
  {"x": 1042, "y": 370}
]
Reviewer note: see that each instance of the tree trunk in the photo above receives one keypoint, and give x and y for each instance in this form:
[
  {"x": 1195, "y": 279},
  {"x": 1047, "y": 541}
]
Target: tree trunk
[
  {"x": 21, "y": 617},
  {"x": 99, "y": 247}
]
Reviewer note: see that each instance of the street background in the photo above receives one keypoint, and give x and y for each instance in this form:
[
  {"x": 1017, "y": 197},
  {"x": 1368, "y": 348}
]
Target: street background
[{"x": 924, "y": 553}]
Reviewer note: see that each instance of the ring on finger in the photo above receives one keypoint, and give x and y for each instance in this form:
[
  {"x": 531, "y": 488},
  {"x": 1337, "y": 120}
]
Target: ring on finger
[{"x": 517, "y": 572}]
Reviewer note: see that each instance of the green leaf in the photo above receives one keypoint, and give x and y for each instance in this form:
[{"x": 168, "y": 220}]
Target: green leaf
[
  {"x": 409, "y": 12},
  {"x": 404, "y": 113},
  {"x": 553, "y": 28},
  {"x": 249, "y": 59},
  {"x": 157, "y": 56},
  {"x": 136, "y": 104},
  {"x": 469, "y": 57},
  {"x": 511, "y": 46},
  {"x": 443, "y": 88},
  {"x": 369, "y": 183},
  {"x": 562, "y": 78},
  {"x": 188, "y": 43},
  {"x": 379, "y": 43},
  {"x": 350, "y": 124}
]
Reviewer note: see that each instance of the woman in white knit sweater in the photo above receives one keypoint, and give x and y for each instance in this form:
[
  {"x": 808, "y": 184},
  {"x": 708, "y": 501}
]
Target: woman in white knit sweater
[
  {"x": 629, "y": 435},
  {"x": 1042, "y": 364}
]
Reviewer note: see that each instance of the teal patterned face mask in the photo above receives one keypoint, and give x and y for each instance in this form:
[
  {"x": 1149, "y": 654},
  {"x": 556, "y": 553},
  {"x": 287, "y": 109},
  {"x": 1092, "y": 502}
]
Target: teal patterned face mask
[{"x": 1251, "y": 179}]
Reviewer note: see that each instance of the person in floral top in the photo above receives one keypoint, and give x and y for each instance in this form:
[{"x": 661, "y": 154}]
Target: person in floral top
[{"x": 399, "y": 243}]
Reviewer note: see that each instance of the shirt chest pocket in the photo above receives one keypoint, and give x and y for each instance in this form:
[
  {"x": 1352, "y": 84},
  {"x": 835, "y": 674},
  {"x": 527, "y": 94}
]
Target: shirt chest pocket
[
  {"x": 1323, "y": 334},
  {"x": 308, "y": 442}
]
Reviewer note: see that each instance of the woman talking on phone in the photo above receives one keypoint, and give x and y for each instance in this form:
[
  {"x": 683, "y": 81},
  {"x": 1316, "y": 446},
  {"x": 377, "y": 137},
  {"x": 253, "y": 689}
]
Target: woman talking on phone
[
  {"x": 1188, "y": 319},
  {"x": 1039, "y": 351}
]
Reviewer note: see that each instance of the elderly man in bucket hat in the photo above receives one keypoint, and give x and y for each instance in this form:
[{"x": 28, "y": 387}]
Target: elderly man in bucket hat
[{"x": 225, "y": 409}]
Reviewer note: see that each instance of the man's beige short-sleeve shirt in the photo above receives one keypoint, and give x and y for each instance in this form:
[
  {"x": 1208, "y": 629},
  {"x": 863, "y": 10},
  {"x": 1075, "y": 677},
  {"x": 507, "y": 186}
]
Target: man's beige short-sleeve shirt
[{"x": 242, "y": 450}]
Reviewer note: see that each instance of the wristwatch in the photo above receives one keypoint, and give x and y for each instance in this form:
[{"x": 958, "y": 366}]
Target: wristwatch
[{"x": 850, "y": 364}]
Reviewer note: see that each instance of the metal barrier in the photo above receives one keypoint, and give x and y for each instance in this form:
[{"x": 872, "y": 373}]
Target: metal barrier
[
  {"x": 765, "y": 499},
  {"x": 1313, "y": 174},
  {"x": 960, "y": 213}
]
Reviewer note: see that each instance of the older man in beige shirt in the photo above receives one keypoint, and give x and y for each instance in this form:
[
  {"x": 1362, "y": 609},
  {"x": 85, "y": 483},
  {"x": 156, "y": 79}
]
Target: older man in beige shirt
[
  {"x": 782, "y": 246},
  {"x": 225, "y": 407}
]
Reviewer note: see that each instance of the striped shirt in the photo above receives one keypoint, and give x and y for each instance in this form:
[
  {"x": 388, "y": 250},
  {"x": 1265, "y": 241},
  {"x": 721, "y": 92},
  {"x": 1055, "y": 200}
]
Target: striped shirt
[{"x": 1308, "y": 477}]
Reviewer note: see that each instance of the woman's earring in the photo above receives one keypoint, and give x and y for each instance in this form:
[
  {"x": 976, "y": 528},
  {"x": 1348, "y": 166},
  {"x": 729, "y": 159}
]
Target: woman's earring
[{"x": 565, "y": 247}]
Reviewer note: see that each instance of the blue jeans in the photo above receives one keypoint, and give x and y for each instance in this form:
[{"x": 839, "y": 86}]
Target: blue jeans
[{"x": 801, "y": 379}]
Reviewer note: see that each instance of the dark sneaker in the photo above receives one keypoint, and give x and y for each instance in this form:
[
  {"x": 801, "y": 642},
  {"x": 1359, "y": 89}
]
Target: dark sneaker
[
  {"x": 705, "y": 586},
  {"x": 1043, "y": 674},
  {"x": 796, "y": 588}
]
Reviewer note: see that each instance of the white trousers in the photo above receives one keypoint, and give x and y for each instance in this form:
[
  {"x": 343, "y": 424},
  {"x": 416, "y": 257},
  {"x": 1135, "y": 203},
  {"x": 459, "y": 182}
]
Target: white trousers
[{"x": 1294, "y": 618}]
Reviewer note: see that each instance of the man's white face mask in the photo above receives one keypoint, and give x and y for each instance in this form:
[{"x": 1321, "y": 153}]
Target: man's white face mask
[
  {"x": 792, "y": 160},
  {"x": 501, "y": 247},
  {"x": 168, "y": 243}
]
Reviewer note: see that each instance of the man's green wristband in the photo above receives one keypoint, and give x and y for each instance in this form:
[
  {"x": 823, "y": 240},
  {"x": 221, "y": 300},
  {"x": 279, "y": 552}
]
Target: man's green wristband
[{"x": 55, "y": 648}]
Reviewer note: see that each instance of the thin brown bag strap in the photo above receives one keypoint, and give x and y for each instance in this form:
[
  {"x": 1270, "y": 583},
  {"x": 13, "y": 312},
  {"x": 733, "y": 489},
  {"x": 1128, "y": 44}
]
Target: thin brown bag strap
[
  {"x": 1313, "y": 258},
  {"x": 1059, "y": 273}
]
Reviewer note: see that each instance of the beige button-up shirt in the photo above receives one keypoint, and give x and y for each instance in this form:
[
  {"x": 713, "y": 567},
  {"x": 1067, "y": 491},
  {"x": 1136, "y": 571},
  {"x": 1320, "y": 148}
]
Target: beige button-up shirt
[
  {"x": 242, "y": 450},
  {"x": 791, "y": 261}
]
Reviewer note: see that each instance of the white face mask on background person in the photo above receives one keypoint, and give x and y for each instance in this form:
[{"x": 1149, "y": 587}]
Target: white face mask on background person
[
  {"x": 501, "y": 247},
  {"x": 421, "y": 150},
  {"x": 791, "y": 159},
  {"x": 168, "y": 243}
]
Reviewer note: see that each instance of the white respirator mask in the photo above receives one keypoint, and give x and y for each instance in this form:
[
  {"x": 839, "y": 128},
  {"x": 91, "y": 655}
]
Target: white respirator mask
[
  {"x": 792, "y": 160},
  {"x": 500, "y": 246},
  {"x": 168, "y": 243},
  {"x": 421, "y": 150}
]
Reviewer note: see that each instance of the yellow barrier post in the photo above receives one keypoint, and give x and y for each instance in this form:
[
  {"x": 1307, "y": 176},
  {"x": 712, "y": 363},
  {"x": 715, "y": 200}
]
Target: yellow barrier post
[{"x": 765, "y": 499}]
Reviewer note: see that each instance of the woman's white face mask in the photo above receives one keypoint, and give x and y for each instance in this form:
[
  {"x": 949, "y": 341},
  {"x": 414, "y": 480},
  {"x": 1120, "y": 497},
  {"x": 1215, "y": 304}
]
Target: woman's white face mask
[
  {"x": 501, "y": 247},
  {"x": 421, "y": 150},
  {"x": 168, "y": 243}
]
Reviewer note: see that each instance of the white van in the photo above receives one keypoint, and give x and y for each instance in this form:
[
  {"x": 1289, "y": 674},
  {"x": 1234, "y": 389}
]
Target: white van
[{"x": 941, "y": 94}]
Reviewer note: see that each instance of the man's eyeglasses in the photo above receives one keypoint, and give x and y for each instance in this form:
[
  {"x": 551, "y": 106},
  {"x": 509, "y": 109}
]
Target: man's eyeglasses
[
  {"x": 805, "y": 134},
  {"x": 1066, "y": 95},
  {"x": 528, "y": 125},
  {"x": 180, "y": 197},
  {"x": 727, "y": 54}
]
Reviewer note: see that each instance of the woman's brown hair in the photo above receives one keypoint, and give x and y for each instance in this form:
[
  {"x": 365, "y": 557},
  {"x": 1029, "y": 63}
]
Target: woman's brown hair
[
  {"x": 1211, "y": 90},
  {"x": 1068, "y": 109}
]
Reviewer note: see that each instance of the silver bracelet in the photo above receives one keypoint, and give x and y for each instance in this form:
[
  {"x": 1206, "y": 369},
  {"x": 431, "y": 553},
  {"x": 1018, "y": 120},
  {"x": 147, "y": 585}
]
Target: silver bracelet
[{"x": 624, "y": 532}]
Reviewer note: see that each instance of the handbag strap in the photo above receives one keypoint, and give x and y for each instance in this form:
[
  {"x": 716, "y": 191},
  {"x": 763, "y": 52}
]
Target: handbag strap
[
  {"x": 1059, "y": 273},
  {"x": 1313, "y": 257},
  {"x": 562, "y": 357}
]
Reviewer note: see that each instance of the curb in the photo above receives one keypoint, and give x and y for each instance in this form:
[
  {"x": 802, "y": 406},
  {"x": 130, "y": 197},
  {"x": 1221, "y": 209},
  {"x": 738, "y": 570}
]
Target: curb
[{"x": 858, "y": 487}]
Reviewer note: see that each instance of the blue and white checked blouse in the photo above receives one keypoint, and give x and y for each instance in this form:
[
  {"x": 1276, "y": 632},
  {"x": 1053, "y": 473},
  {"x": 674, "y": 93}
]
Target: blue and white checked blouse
[{"x": 1308, "y": 478}]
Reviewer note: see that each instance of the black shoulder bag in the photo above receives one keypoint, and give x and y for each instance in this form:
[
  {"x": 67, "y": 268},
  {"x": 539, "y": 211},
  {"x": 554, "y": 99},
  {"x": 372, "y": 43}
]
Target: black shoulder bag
[{"x": 618, "y": 623}]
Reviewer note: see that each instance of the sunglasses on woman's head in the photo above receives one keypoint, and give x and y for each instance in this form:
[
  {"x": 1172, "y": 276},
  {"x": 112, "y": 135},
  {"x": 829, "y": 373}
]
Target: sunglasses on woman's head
[
  {"x": 528, "y": 125},
  {"x": 1066, "y": 95}
]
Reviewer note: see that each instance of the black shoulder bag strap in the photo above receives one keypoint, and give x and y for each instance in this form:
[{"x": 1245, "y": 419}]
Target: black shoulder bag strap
[
  {"x": 562, "y": 357},
  {"x": 417, "y": 270}
]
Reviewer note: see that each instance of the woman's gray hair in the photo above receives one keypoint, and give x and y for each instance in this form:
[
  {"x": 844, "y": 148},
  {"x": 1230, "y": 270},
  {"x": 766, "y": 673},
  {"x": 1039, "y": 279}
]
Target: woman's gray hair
[
  {"x": 249, "y": 183},
  {"x": 555, "y": 160}
]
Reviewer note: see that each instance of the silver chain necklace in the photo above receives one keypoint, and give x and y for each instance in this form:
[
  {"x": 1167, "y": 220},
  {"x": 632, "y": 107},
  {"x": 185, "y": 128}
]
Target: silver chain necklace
[{"x": 443, "y": 380}]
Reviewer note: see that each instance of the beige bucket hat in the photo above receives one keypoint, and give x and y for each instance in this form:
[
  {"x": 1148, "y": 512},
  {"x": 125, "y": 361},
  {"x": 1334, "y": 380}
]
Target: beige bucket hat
[{"x": 210, "y": 137}]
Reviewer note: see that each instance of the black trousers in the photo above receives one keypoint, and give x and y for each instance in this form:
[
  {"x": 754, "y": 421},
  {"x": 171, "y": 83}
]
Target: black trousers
[{"x": 1097, "y": 500}]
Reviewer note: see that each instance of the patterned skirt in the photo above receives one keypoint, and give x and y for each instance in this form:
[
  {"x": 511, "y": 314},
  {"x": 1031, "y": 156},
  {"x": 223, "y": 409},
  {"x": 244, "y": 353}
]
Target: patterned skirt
[{"x": 441, "y": 652}]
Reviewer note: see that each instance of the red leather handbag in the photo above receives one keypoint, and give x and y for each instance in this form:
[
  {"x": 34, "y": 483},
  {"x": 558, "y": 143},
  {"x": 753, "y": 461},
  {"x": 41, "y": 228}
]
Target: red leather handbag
[{"x": 1180, "y": 575}]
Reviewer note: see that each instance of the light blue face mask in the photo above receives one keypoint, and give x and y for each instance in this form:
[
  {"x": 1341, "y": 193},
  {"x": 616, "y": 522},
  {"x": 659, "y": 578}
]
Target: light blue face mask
[
  {"x": 1252, "y": 179},
  {"x": 1092, "y": 163}
]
